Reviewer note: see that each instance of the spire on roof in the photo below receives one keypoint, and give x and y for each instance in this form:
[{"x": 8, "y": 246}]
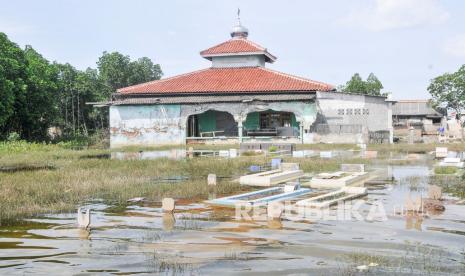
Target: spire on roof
[{"x": 239, "y": 31}]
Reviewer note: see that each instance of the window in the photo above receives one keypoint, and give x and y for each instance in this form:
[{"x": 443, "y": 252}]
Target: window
[
  {"x": 349, "y": 111},
  {"x": 340, "y": 112},
  {"x": 366, "y": 111},
  {"x": 357, "y": 111},
  {"x": 275, "y": 119}
]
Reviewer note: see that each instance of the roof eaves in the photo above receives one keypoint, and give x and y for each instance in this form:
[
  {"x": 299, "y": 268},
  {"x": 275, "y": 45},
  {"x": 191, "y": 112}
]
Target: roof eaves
[{"x": 270, "y": 57}]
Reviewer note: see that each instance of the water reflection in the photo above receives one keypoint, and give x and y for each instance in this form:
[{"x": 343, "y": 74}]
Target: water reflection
[
  {"x": 123, "y": 240},
  {"x": 168, "y": 221}
]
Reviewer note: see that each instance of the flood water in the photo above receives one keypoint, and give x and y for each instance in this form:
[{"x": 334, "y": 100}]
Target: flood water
[{"x": 199, "y": 239}]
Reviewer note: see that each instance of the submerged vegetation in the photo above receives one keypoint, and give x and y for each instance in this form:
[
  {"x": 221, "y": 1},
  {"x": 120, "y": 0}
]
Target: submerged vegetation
[
  {"x": 417, "y": 260},
  {"x": 60, "y": 178}
]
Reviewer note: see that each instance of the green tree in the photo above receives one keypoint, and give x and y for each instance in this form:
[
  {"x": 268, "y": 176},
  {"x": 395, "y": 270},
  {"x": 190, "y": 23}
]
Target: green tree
[
  {"x": 37, "y": 108},
  {"x": 448, "y": 90},
  {"x": 114, "y": 69},
  {"x": 356, "y": 85},
  {"x": 76, "y": 89},
  {"x": 373, "y": 85},
  {"x": 12, "y": 81},
  {"x": 117, "y": 70},
  {"x": 36, "y": 94},
  {"x": 144, "y": 70}
]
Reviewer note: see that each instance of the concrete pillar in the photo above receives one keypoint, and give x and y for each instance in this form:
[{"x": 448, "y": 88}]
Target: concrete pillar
[
  {"x": 301, "y": 134},
  {"x": 239, "y": 129}
]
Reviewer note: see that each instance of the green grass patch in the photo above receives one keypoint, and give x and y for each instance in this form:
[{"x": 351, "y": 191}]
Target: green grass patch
[{"x": 445, "y": 170}]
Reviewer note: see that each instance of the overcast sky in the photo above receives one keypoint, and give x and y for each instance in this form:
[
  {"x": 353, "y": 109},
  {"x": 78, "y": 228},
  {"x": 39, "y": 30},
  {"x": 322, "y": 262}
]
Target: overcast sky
[{"x": 404, "y": 42}]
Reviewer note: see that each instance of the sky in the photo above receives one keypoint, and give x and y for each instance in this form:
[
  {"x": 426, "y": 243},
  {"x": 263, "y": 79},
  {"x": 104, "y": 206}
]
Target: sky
[{"x": 405, "y": 43}]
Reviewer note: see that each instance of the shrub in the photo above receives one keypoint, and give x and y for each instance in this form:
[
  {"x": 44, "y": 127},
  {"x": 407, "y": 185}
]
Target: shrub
[{"x": 13, "y": 136}]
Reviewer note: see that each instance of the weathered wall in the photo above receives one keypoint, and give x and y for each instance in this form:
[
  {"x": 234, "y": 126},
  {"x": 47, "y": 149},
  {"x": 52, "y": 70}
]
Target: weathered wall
[
  {"x": 372, "y": 113},
  {"x": 146, "y": 125}
]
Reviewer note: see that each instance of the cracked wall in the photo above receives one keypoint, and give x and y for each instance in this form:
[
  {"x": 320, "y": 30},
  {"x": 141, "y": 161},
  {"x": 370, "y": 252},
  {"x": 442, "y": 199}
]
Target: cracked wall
[{"x": 165, "y": 124}]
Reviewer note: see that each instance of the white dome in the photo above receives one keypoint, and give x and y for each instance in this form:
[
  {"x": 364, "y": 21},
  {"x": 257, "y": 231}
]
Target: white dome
[{"x": 239, "y": 31}]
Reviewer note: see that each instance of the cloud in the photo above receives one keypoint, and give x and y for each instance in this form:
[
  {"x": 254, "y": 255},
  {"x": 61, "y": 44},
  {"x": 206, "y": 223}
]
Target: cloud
[
  {"x": 397, "y": 14},
  {"x": 455, "y": 46}
]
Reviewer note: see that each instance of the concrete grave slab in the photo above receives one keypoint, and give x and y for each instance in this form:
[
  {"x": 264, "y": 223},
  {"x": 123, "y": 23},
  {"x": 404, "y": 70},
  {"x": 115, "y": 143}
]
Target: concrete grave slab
[
  {"x": 370, "y": 154},
  {"x": 259, "y": 198},
  {"x": 328, "y": 199},
  {"x": 303, "y": 153},
  {"x": 289, "y": 166},
  {"x": 451, "y": 162},
  {"x": 270, "y": 178},
  {"x": 353, "y": 167},
  {"x": 223, "y": 153},
  {"x": 326, "y": 154},
  {"x": 336, "y": 179}
]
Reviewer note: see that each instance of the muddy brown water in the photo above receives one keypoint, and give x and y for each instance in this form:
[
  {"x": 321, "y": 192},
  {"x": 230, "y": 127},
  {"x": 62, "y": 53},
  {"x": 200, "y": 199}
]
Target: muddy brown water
[{"x": 199, "y": 239}]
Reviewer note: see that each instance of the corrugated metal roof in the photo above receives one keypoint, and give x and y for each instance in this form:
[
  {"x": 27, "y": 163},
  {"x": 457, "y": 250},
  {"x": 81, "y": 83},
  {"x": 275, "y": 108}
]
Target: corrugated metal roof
[{"x": 413, "y": 107}]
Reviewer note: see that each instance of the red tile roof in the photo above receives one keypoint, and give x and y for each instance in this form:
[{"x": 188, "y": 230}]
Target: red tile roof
[
  {"x": 236, "y": 46},
  {"x": 228, "y": 80}
]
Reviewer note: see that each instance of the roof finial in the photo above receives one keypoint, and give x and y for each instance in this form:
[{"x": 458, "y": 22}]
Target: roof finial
[
  {"x": 239, "y": 31},
  {"x": 239, "y": 16}
]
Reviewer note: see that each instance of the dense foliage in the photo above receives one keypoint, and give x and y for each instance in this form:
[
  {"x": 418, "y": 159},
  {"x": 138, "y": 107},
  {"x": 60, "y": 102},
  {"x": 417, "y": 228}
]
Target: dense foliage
[
  {"x": 356, "y": 85},
  {"x": 448, "y": 90},
  {"x": 39, "y": 97}
]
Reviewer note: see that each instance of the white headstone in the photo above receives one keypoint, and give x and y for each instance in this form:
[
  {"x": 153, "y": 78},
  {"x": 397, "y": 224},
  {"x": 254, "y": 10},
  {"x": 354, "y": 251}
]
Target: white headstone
[
  {"x": 232, "y": 153},
  {"x": 83, "y": 218},
  {"x": 441, "y": 152},
  {"x": 167, "y": 205},
  {"x": 211, "y": 179}
]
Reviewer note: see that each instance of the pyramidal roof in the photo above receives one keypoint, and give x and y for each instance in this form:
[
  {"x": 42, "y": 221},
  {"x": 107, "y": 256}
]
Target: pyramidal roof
[
  {"x": 229, "y": 80},
  {"x": 237, "y": 46},
  {"x": 231, "y": 77}
]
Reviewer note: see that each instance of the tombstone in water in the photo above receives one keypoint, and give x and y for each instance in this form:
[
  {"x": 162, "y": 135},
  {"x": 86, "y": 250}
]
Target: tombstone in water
[{"x": 83, "y": 218}]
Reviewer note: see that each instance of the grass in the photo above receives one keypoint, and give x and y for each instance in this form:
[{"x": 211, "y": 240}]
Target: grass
[
  {"x": 416, "y": 260},
  {"x": 78, "y": 177},
  {"x": 445, "y": 170},
  {"x": 78, "y": 180},
  {"x": 452, "y": 185}
]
